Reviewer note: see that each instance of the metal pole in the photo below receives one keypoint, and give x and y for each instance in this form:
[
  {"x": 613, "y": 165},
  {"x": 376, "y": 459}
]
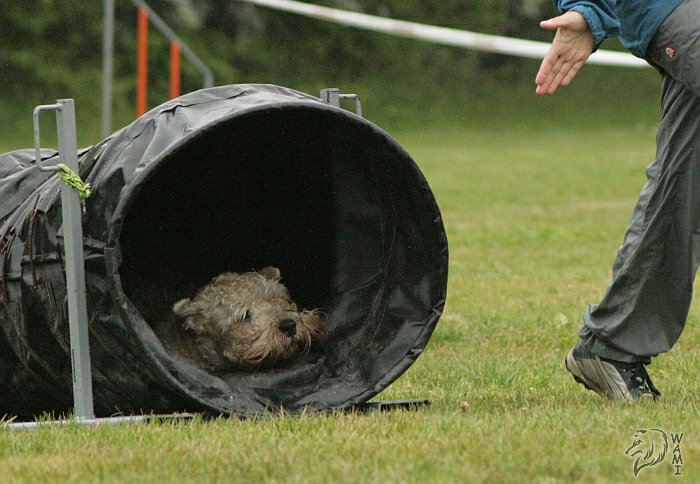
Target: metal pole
[
  {"x": 174, "y": 70},
  {"x": 75, "y": 265},
  {"x": 107, "y": 67},
  {"x": 142, "y": 63},
  {"x": 333, "y": 97},
  {"x": 84, "y": 412},
  {"x": 24, "y": 426},
  {"x": 358, "y": 103},
  {"x": 108, "y": 57},
  {"x": 160, "y": 24}
]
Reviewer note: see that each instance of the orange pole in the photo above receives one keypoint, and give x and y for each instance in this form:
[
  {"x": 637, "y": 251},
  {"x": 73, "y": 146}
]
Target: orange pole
[
  {"x": 142, "y": 63},
  {"x": 174, "y": 70}
]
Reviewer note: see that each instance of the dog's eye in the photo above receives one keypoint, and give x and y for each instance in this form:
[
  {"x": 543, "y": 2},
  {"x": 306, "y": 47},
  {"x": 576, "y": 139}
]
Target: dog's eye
[{"x": 247, "y": 315}]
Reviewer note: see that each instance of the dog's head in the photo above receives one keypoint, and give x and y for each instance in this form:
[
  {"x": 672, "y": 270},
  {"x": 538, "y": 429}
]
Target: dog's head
[
  {"x": 648, "y": 448},
  {"x": 248, "y": 320}
]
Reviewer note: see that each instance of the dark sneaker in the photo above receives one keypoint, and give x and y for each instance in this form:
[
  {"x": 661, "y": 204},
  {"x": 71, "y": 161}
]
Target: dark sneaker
[{"x": 611, "y": 379}]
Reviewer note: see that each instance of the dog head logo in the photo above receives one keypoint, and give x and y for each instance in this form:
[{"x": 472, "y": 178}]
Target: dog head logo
[{"x": 648, "y": 449}]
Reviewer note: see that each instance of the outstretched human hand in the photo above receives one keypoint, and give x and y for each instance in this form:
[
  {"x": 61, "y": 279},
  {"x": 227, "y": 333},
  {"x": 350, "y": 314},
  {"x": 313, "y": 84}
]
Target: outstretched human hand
[{"x": 572, "y": 46}]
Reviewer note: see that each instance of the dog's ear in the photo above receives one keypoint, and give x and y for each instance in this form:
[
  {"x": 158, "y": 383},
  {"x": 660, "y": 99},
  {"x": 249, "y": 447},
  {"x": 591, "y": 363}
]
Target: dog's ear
[
  {"x": 187, "y": 311},
  {"x": 271, "y": 273},
  {"x": 194, "y": 325},
  {"x": 183, "y": 308}
]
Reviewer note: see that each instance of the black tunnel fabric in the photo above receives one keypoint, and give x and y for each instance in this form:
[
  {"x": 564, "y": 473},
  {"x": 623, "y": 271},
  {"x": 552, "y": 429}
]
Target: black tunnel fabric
[{"x": 231, "y": 178}]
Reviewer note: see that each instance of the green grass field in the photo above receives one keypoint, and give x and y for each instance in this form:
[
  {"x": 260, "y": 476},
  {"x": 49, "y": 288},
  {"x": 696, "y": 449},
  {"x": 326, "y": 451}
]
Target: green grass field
[{"x": 534, "y": 219}]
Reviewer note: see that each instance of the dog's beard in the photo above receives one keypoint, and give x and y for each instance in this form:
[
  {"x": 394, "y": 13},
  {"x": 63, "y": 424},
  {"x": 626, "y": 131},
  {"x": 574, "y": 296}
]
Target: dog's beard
[{"x": 270, "y": 346}]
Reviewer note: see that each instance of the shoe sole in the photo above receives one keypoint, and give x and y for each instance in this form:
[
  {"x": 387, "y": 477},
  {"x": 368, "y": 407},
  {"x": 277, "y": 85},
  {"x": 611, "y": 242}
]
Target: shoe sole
[{"x": 598, "y": 376}]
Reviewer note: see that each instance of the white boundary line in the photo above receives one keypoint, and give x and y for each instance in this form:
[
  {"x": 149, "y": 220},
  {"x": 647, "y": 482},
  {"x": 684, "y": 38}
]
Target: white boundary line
[{"x": 441, "y": 35}]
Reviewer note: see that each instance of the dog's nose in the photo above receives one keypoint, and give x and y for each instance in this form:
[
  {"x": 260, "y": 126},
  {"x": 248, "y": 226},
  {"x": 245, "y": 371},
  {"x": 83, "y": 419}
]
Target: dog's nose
[{"x": 288, "y": 327}]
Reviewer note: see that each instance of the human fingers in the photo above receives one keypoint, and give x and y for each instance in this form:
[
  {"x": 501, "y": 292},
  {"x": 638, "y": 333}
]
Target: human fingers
[
  {"x": 548, "y": 83},
  {"x": 553, "y": 23},
  {"x": 572, "y": 73},
  {"x": 551, "y": 64},
  {"x": 570, "y": 20},
  {"x": 545, "y": 69},
  {"x": 565, "y": 73},
  {"x": 556, "y": 81}
]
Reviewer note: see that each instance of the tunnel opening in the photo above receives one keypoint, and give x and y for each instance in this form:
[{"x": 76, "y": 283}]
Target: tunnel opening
[{"x": 306, "y": 190}]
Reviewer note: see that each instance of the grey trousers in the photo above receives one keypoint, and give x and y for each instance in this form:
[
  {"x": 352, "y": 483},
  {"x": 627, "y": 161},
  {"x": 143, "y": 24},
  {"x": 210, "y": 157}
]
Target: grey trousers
[{"x": 646, "y": 305}]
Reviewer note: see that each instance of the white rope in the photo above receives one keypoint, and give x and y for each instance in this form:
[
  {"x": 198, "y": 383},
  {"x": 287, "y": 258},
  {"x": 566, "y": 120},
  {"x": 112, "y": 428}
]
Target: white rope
[{"x": 441, "y": 35}]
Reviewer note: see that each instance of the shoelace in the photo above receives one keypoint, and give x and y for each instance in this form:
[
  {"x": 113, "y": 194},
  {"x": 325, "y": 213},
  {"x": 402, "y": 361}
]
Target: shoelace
[{"x": 640, "y": 377}]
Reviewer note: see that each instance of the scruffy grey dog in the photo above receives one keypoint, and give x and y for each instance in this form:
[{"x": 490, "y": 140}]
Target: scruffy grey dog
[{"x": 241, "y": 321}]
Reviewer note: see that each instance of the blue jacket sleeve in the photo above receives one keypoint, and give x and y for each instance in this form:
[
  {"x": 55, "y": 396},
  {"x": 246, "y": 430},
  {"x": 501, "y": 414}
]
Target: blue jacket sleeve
[{"x": 600, "y": 15}]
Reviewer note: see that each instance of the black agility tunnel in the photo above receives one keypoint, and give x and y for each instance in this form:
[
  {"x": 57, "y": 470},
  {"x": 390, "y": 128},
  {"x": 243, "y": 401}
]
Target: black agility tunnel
[{"x": 230, "y": 178}]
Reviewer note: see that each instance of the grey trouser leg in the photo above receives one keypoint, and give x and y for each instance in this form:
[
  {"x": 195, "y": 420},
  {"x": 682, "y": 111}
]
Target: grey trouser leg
[{"x": 646, "y": 305}]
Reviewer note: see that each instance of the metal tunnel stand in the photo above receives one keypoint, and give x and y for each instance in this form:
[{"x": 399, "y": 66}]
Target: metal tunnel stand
[
  {"x": 75, "y": 266},
  {"x": 333, "y": 96},
  {"x": 75, "y": 277}
]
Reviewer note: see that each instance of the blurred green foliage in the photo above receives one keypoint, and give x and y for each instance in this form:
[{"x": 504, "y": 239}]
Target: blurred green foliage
[
  {"x": 51, "y": 49},
  {"x": 55, "y": 45}
]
